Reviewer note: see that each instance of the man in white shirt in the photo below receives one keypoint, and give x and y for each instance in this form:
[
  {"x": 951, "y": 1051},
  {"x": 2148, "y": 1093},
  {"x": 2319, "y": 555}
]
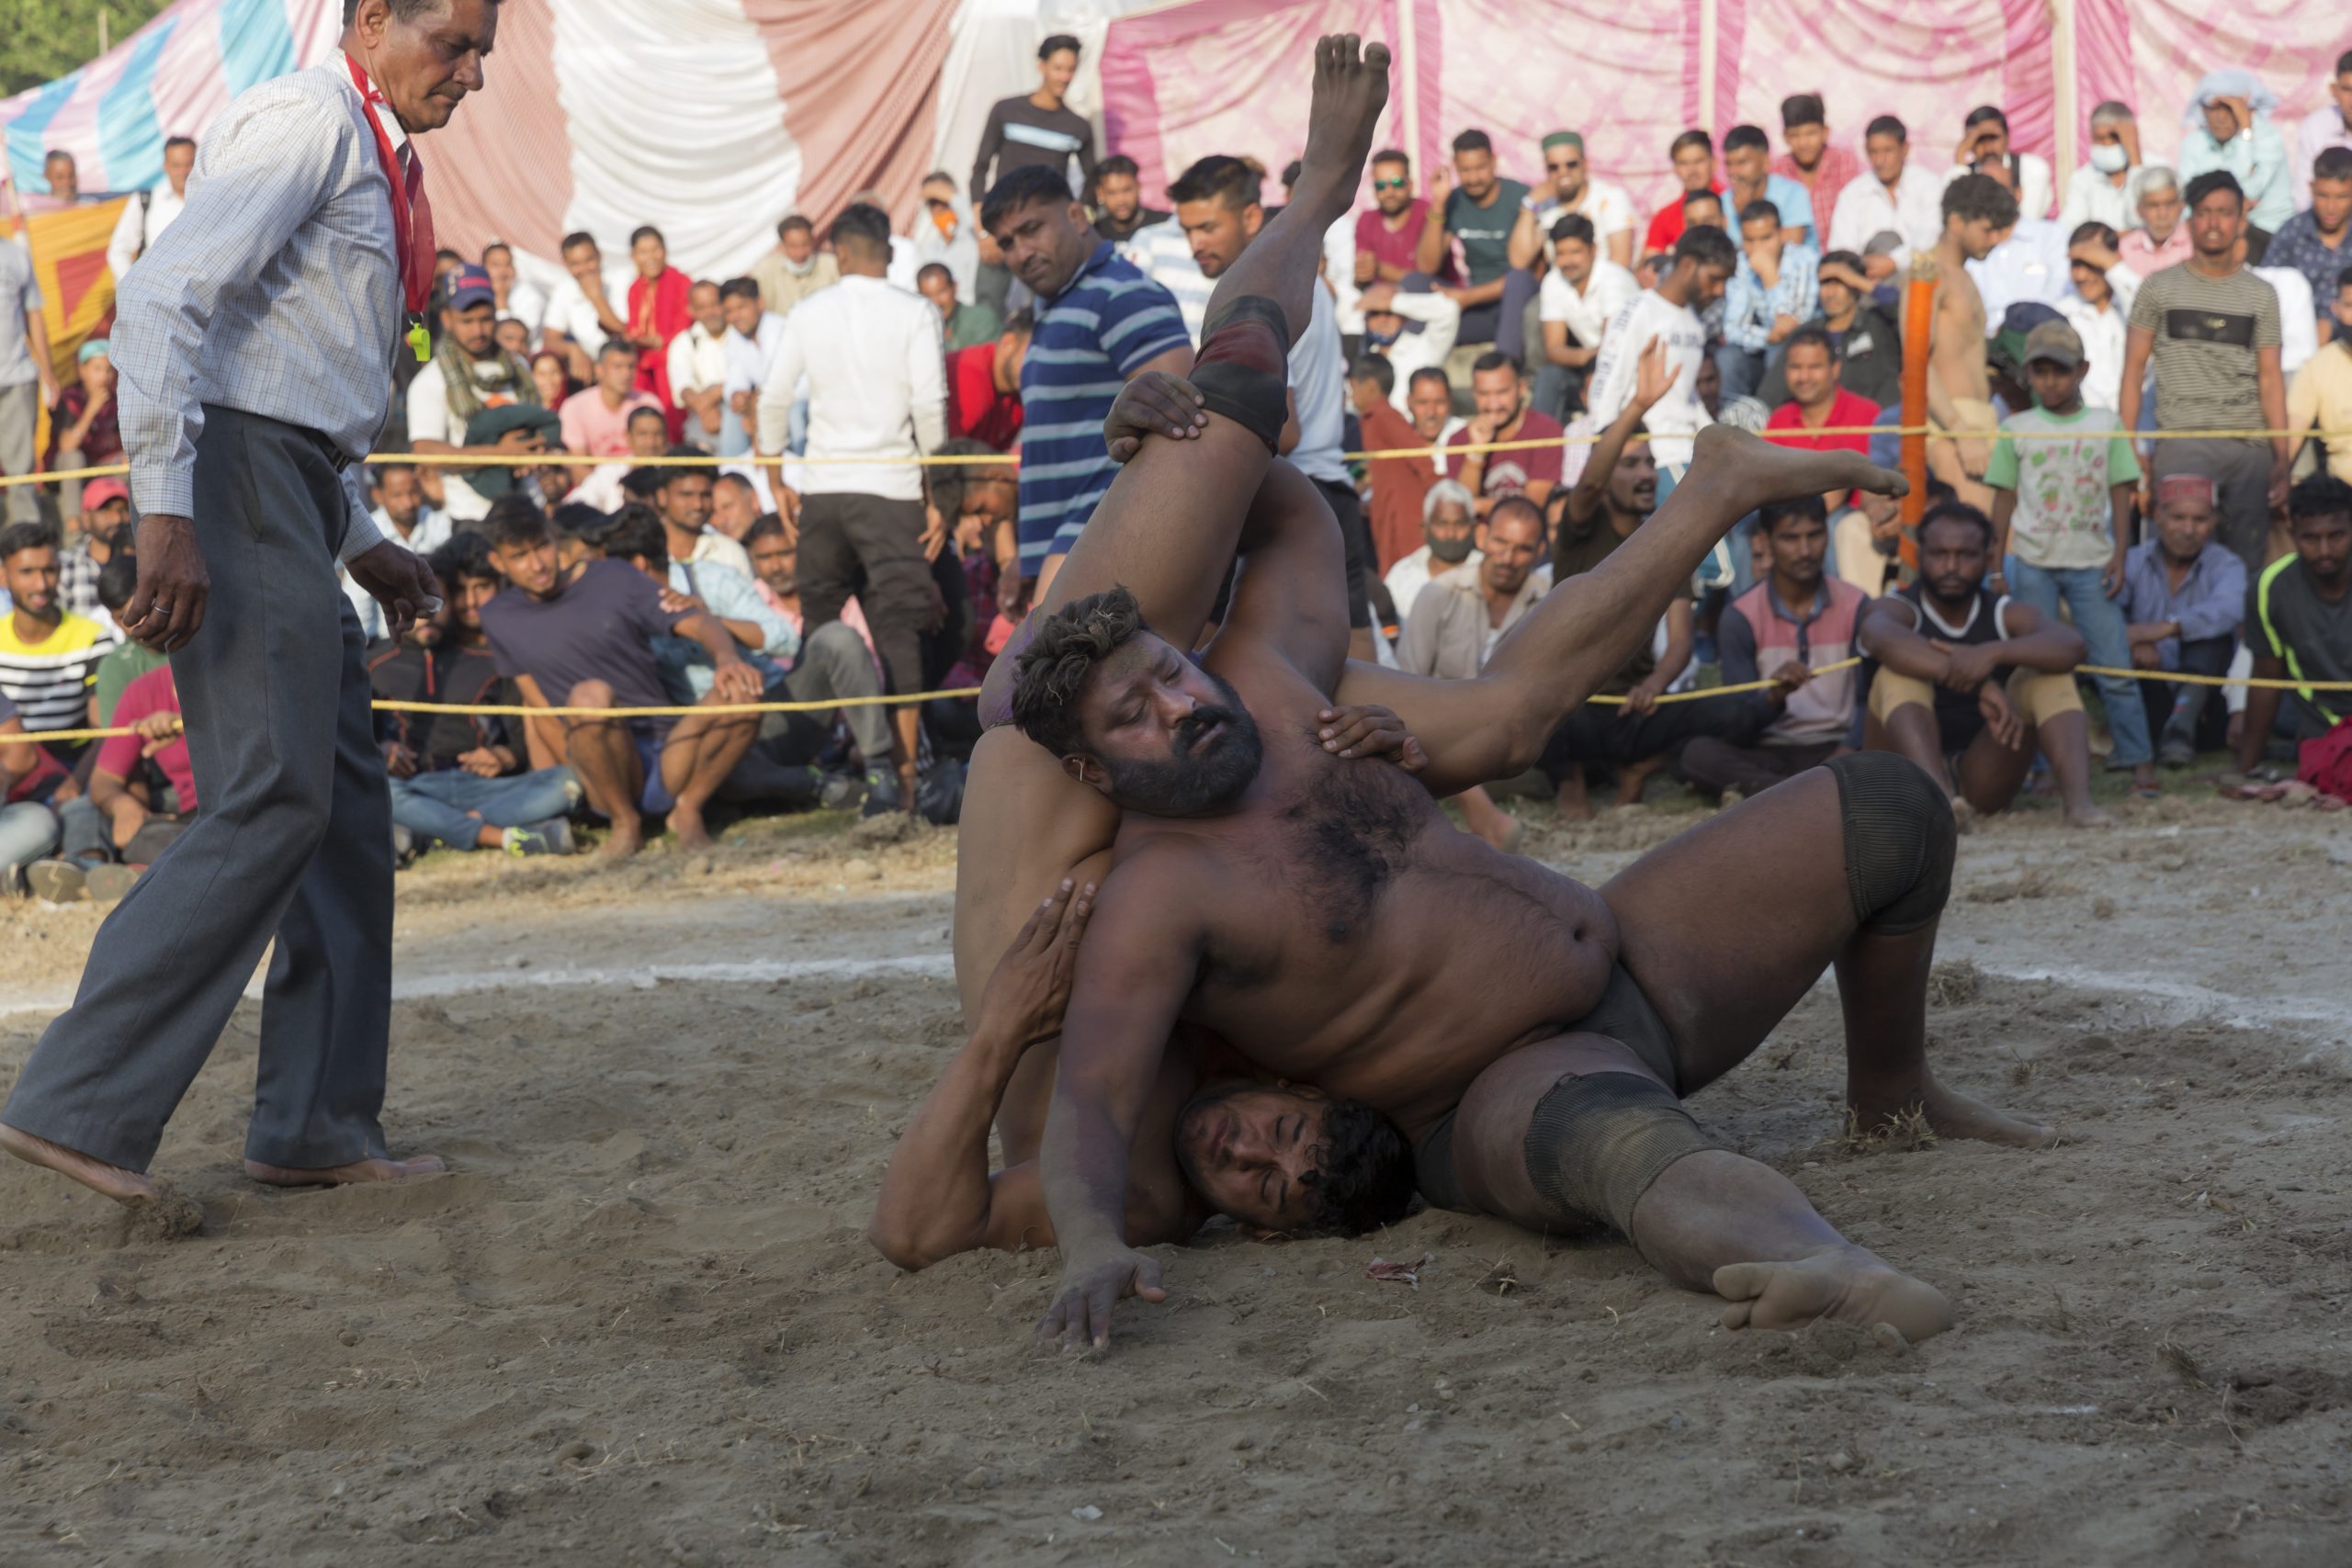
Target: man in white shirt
[
  {"x": 2330, "y": 126},
  {"x": 1449, "y": 531},
  {"x": 1703, "y": 261},
  {"x": 2026, "y": 263},
  {"x": 402, "y": 517},
  {"x": 1986, "y": 134},
  {"x": 517, "y": 300},
  {"x": 698, "y": 368},
  {"x": 1898, "y": 198},
  {"x": 2102, "y": 189},
  {"x": 582, "y": 314},
  {"x": 2098, "y": 307},
  {"x": 877, "y": 389},
  {"x": 2298, "y": 320},
  {"x": 144, "y": 220},
  {"x": 749, "y": 347},
  {"x": 467, "y": 374},
  {"x": 1413, "y": 332},
  {"x": 1575, "y": 190},
  {"x": 1577, "y": 300}
]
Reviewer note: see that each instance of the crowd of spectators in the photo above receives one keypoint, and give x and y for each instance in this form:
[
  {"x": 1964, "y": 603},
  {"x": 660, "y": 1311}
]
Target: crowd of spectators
[{"x": 1529, "y": 359}]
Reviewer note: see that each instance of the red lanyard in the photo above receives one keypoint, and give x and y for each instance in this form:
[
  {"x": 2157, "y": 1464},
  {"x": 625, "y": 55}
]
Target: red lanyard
[{"x": 412, "y": 216}]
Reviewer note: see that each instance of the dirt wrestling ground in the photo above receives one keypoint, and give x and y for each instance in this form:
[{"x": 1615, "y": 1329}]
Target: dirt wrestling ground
[{"x": 639, "y": 1323}]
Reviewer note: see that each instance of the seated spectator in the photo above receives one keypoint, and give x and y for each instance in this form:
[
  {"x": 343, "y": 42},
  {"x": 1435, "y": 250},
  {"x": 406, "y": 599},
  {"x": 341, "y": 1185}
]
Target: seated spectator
[
  {"x": 2229, "y": 128},
  {"x": 2098, "y": 307},
  {"x": 1818, "y": 399},
  {"x": 49, "y": 658},
  {"x": 1577, "y": 300},
  {"x": 961, "y": 325},
  {"x": 1794, "y": 622},
  {"x": 2028, "y": 261},
  {"x": 1500, "y": 395},
  {"x": 639, "y": 536},
  {"x": 1967, "y": 683},
  {"x": 27, "y": 776},
  {"x": 697, "y": 368},
  {"x": 750, "y": 347},
  {"x": 1449, "y": 533},
  {"x": 1901, "y": 199},
  {"x": 2299, "y": 625},
  {"x": 1458, "y": 618},
  {"x": 106, "y": 534},
  {"x": 401, "y": 513},
  {"x": 1413, "y": 332},
  {"x": 2312, "y": 242},
  {"x": 1985, "y": 139},
  {"x": 518, "y": 300},
  {"x": 1692, "y": 153},
  {"x": 1119, "y": 209},
  {"x": 138, "y": 826},
  {"x": 83, "y": 428},
  {"x": 2160, "y": 239},
  {"x": 579, "y": 531},
  {"x": 946, "y": 236},
  {"x": 1824, "y": 170},
  {"x": 1865, "y": 540},
  {"x": 551, "y": 377},
  {"x": 1389, "y": 232},
  {"x": 468, "y": 372},
  {"x": 2320, "y": 392},
  {"x": 597, "y": 421},
  {"x": 734, "y": 505},
  {"x": 796, "y": 268},
  {"x": 648, "y": 436},
  {"x": 984, "y": 385},
  {"x": 2100, "y": 191},
  {"x": 1576, "y": 191},
  {"x": 683, "y": 498},
  {"x": 520, "y": 434},
  {"x": 1866, "y": 337},
  {"x": 981, "y": 503},
  {"x": 1612, "y": 497},
  {"x": 2184, "y": 598},
  {"x": 1487, "y": 218},
  {"x": 2063, "y": 477},
  {"x": 586, "y": 639},
  {"x": 1400, "y": 484},
  {"x": 128, "y": 660},
  {"x": 834, "y": 662},
  {"x": 462, "y": 780},
  {"x": 1748, "y": 167}
]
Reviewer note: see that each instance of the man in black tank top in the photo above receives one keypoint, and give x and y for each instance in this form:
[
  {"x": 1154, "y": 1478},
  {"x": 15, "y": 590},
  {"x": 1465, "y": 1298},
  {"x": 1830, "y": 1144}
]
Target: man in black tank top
[{"x": 1966, "y": 683}]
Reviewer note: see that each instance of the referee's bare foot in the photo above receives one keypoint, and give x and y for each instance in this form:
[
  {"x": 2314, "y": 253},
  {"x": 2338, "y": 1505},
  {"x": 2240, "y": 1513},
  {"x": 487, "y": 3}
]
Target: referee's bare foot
[
  {"x": 343, "y": 1175},
  {"x": 122, "y": 1186}
]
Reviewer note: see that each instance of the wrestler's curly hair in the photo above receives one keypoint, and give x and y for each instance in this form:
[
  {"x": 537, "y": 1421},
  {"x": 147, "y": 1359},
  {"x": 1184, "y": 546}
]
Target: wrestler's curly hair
[
  {"x": 1363, "y": 1172},
  {"x": 1052, "y": 669}
]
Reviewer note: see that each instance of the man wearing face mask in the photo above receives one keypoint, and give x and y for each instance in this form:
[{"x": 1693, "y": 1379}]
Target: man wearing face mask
[
  {"x": 2102, "y": 189},
  {"x": 1449, "y": 533},
  {"x": 253, "y": 339}
]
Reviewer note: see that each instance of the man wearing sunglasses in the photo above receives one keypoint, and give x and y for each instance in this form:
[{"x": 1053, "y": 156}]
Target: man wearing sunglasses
[
  {"x": 1388, "y": 236},
  {"x": 1574, "y": 189}
]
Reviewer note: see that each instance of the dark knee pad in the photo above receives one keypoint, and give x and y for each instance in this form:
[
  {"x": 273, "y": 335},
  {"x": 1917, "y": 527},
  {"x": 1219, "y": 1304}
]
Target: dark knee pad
[
  {"x": 1243, "y": 368},
  {"x": 1597, "y": 1142},
  {"x": 1899, "y": 841}
]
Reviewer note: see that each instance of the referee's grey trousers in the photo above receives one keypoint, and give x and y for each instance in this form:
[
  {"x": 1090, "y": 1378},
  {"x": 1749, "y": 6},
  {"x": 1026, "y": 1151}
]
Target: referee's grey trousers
[{"x": 293, "y": 839}]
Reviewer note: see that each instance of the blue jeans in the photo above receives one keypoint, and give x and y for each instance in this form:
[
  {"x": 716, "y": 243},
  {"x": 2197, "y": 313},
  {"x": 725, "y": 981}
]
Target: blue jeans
[
  {"x": 28, "y": 831},
  {"x": 454, "y": 805},
  {"x": 2101, "y": 620}
]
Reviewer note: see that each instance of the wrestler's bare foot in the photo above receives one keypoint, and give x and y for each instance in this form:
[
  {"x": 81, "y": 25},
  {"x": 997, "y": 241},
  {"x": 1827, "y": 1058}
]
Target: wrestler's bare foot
[
  {"x": 1350, "y": 89},
  {"x": 1748, "y": 472},
  {"x": 1948, "y": 1115},
  {"x": 1843, "y": 1283},
  {"x": 122, "y": 1186},
  {"x": 344, "y": 1175}
]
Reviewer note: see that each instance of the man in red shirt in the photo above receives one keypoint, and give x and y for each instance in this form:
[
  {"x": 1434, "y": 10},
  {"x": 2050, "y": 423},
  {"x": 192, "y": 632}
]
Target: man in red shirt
[
  {"x": 1503, "y": 415},
  {"x": 1388, "y": 236},
  {"x": 984, "y": 386},
  {"x": 1694, "y": 164},
  {"x": 119, "y": 821},
  {"x": 1399, "y": 485},
  {"x": 1816, "y": 402}
]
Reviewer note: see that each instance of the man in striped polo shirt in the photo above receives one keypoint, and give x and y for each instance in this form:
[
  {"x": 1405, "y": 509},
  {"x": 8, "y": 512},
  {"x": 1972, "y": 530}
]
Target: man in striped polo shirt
[
  {"x": 47, "y": 656},
  {"x": 1100, "y": 323}
]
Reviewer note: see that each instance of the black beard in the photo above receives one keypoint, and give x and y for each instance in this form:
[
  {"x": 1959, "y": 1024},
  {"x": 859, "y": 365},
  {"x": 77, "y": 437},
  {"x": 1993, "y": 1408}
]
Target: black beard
[{"x": 1190, "y": 784}]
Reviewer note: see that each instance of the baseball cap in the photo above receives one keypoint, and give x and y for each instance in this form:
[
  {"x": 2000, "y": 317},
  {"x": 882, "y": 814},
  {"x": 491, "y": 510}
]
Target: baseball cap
[
  {"x": 98, "y": 493},
  {"x": 471, "y": 285},
  {"x": 2056, "y": 342}
]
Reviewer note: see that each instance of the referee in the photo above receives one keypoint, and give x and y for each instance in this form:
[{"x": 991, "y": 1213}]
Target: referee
[{"x": 255, "y": 341}]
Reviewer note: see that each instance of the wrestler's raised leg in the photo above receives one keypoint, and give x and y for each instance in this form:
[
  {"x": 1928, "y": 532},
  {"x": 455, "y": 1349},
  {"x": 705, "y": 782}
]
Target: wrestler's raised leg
[{"x": 1167, "y": 530}]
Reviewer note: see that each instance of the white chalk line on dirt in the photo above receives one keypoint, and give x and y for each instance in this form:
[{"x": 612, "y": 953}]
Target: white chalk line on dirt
[{"x": 2186, "y": 999}]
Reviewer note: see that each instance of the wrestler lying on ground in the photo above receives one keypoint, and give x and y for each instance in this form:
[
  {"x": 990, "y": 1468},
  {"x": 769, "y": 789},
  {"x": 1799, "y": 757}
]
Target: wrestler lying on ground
[{"x": 1530, "y": 1035}]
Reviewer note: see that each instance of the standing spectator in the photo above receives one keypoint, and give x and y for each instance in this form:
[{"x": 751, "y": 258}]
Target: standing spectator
[
  {"x": 1399, "y": 485},
  {"x": 2298, "y": 623},
  {"x": 1868, "y": 342},
  {"x": 517, "y": 300},
  {"x": 1789, "y": 628},
  {"x": 796, "y": 268},
  {"x": 104, "y": 518},
  {"x": 2229, "y": 130},
  {"x": 2098, "y": 307},
  {"x": 684, "y": 503},
  {"x": 48, "y": 657},
  {"x": 2312, "y": 242},
  {"x": 657, "y": 312},
  {"x": 2184, "y": 598},
  {"x": 1986, "y": 134},
  {"x": 2322, "y": 129},
  {"x": 2064, "y": 476},
  {"x": 1119, "y": 208},
  {"x": 697, "y": 368},
  {"x": 2161, "y": 238},
  {"x": 83, "y": 431},
  {"x": 26, "y": 383},
  {"x": 2212, "y": 329},
  {"x": 984, "y": 386},
  {"x": 27, "y": 775},
  {"x": 1575, "y": 191},
  {"x": 1692, "y": 153},
  {"x": 2321, "y": 393},
  {"x": 2101, "y": 190},
  {"x": 877, "y": 391},
  {"x": 1389, "y": 234},
  {"x": 961, "y": 325},
  {"x": 1579, "y": 298},
  {"x": 146, "y": 217},
  {"x": 1771, "y": 295},
  {"x": 64, "y": 177},
  {"x": 944, "y": 235},
  {"x": 1499, "y": 393},
  {"x": 595, "y": 420},
  {"x": 1487, "y": 216},
  {"x": 1977, "y": 211},
  {"x": 1823, "y": 169},
  {"x": 1038, "y": 130},
  {"x": 1449, "y": 538},
  {"x": 579, "y": 317},
  {"x": 750, "y": 346},
  {"x": 586, "y": 639},
  {"x": 1900, "y": 197},
  {"x": 468, "y": 373},
  {"x": 462, "y": 780},
  {"x": 1100, "y": 321},
  {"x": 1669, "y": 315},
  {"x": 1747, "y": 160}
]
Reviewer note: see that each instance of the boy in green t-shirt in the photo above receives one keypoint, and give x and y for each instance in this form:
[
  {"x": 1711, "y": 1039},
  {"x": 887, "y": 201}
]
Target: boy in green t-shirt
[{"x": 2061, "y": 505}]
